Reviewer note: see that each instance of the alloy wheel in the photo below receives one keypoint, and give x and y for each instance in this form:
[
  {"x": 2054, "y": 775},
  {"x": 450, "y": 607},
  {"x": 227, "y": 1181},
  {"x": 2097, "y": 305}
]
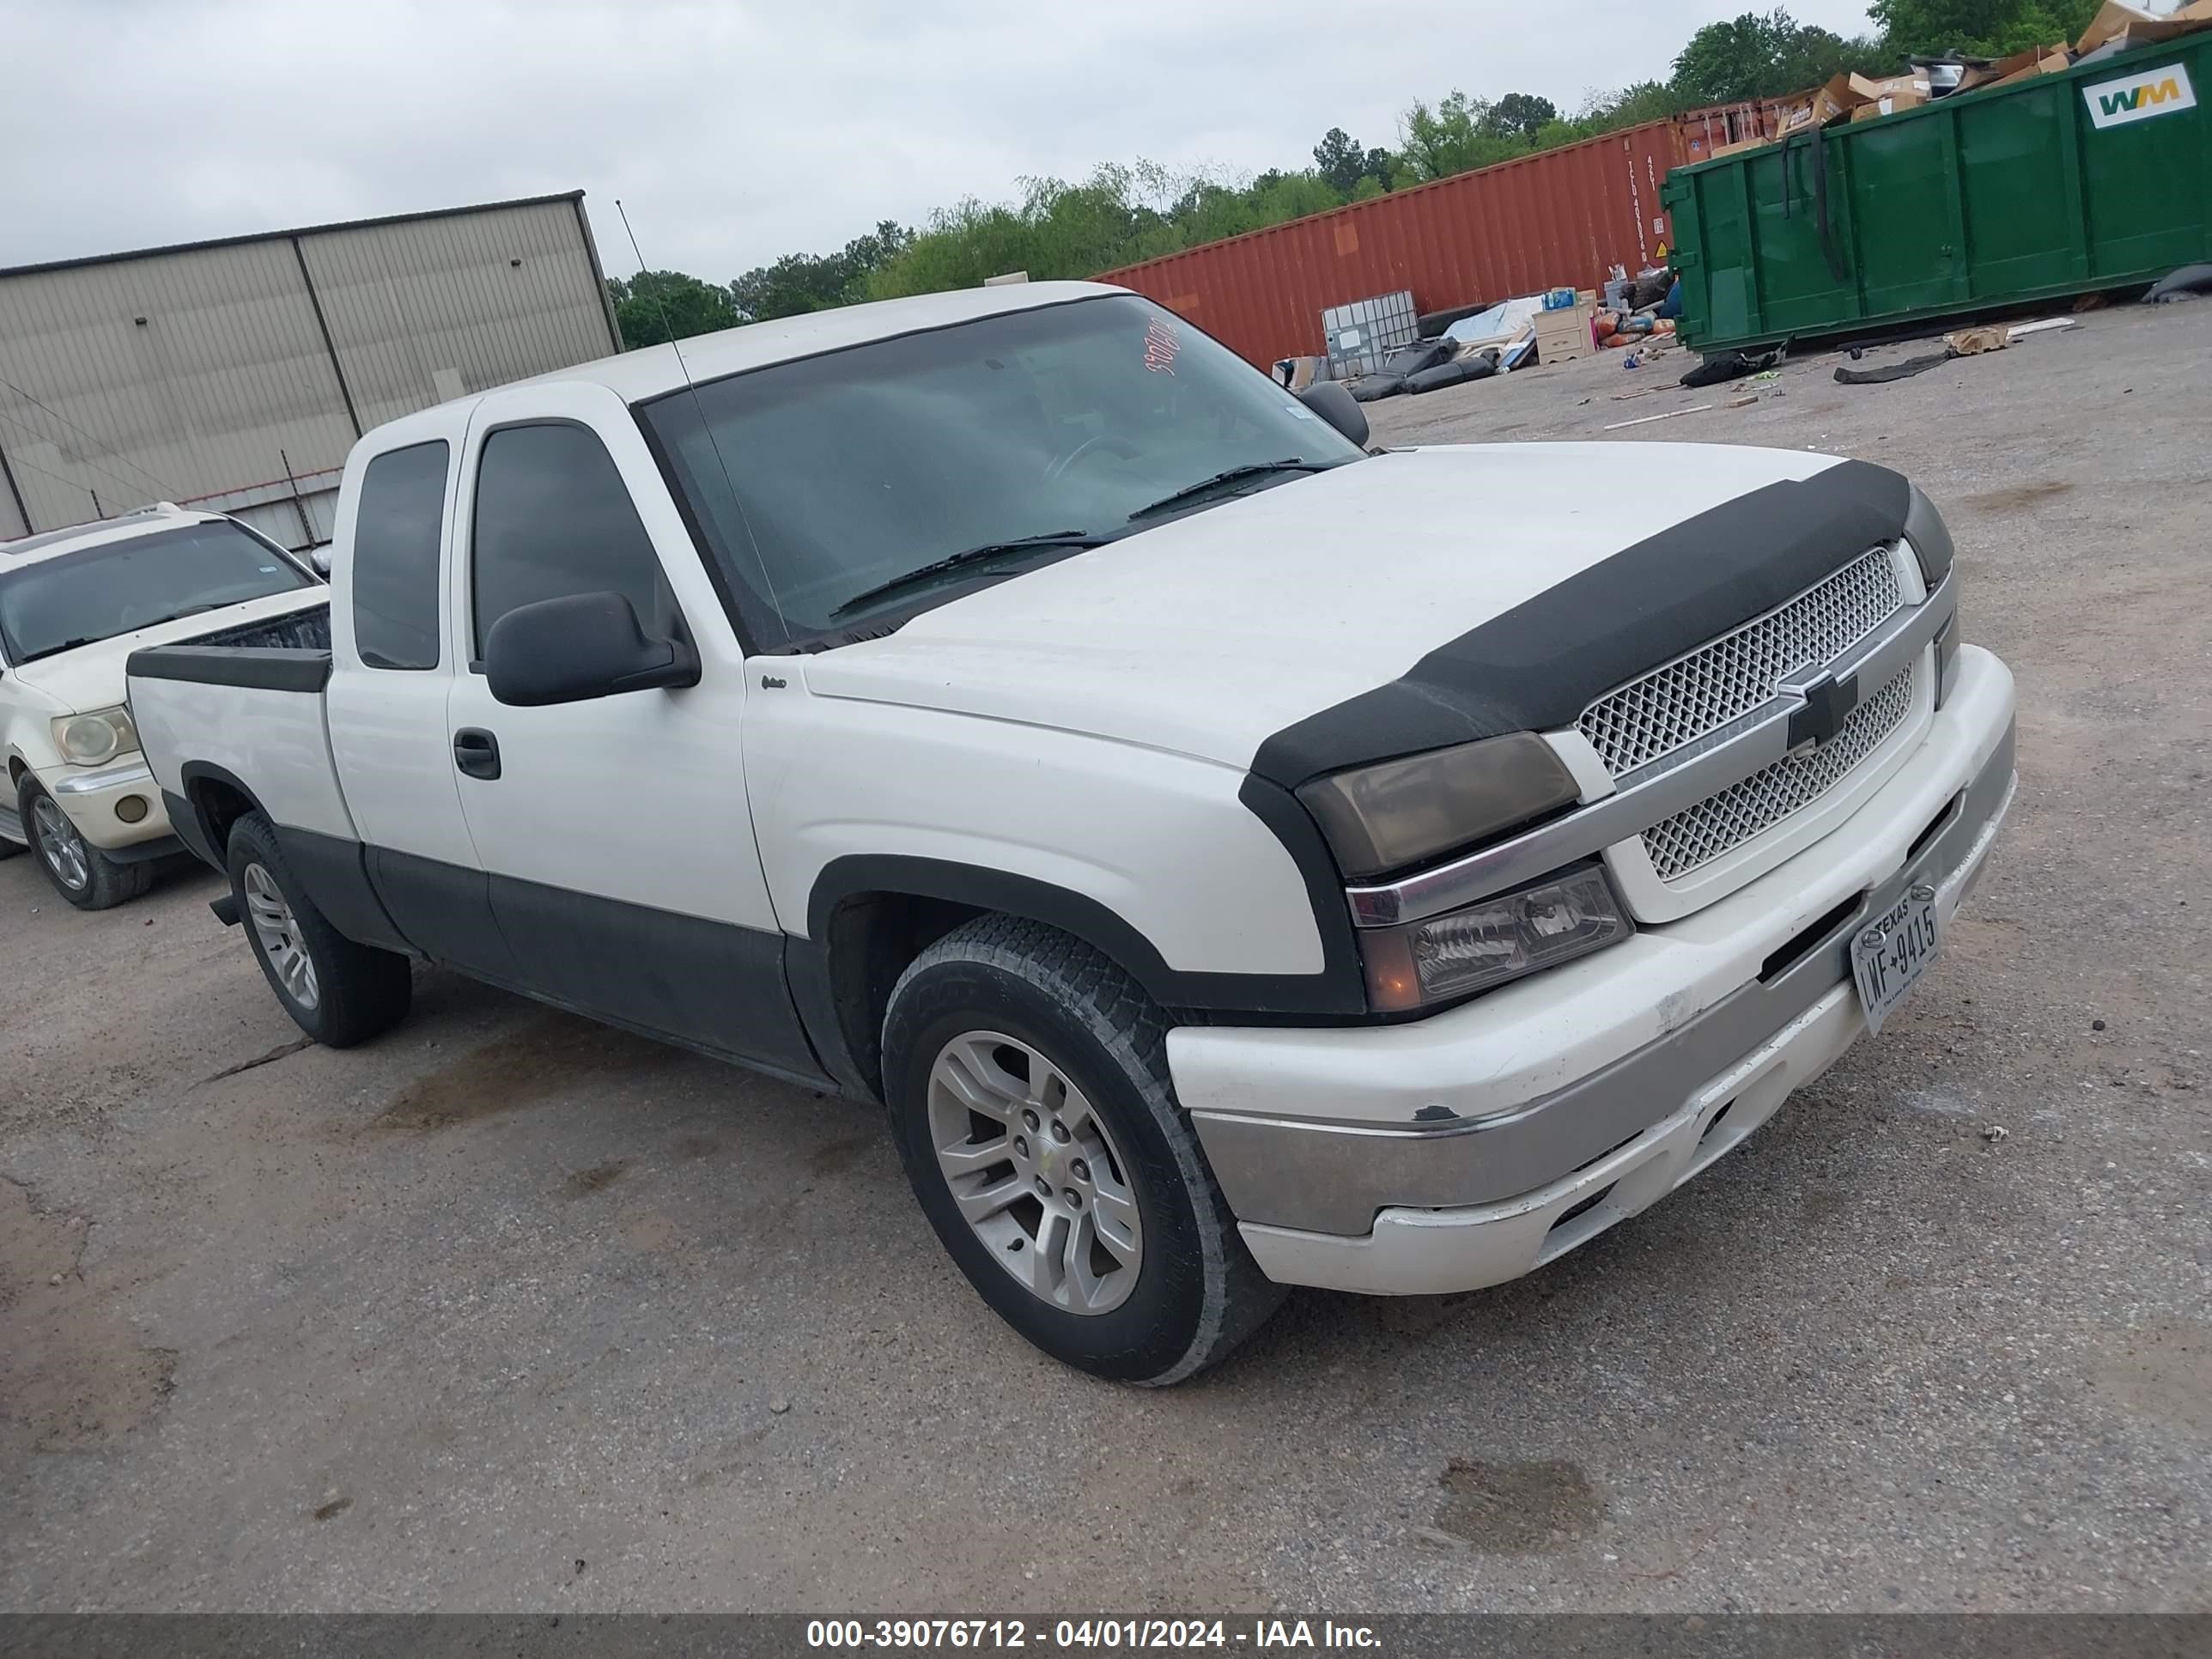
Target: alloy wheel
[
  {"x": 278, "y": 930},
  {"x": 63, "y": 848},
  {"x": 1035, "y": 1172}
]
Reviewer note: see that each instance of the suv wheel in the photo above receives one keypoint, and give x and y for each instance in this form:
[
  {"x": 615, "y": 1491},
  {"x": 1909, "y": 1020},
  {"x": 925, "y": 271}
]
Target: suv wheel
[
  {"x": 80, "y": 871},
  {"x": 1028, "y": 1084}
]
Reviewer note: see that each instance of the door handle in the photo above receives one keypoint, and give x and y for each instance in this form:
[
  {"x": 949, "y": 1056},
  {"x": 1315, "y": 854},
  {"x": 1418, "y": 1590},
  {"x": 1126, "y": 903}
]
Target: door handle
[{"x": 476, "y": 752}]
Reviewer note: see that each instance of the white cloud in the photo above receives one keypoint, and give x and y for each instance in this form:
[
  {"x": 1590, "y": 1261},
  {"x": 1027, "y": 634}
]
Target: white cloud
[{"x": 735, "y": 131}]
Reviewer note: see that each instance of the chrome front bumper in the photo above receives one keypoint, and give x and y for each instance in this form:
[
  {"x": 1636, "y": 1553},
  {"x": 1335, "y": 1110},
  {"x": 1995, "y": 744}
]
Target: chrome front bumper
[
  {"x": 1325, "y": 1201},
  {"x": 89, "y": 798}
]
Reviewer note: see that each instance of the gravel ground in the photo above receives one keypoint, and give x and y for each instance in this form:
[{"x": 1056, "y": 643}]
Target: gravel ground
[{"x": 510, "y": 1311}]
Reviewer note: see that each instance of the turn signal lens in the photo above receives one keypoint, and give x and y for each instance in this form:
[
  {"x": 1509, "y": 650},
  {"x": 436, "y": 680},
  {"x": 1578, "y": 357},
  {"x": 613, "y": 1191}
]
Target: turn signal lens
[{"x": 1947, "y": 659}]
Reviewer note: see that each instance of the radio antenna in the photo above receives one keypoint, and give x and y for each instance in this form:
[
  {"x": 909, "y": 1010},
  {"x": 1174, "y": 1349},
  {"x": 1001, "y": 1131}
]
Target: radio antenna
[{"x": 698, "y": 408}]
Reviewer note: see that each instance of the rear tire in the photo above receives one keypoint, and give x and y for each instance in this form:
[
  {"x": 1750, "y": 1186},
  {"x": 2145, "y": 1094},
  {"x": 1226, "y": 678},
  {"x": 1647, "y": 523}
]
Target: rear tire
[
  {"x": 80, "y": 871},
  {"x": 338, "y": 992},
  {"x": 1026, "y": 1069}
]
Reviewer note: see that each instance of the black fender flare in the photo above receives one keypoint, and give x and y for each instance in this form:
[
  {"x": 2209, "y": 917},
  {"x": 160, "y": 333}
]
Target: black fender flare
[
  {"x": 193, "y": 824},
  {"x": 1338, "y": 990}
]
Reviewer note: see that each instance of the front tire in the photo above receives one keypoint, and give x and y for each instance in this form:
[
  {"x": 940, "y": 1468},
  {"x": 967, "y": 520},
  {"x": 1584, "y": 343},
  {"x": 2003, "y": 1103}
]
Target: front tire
[
  {"x": 1028, "y": 1092},
  {"x": 80, "y": 871},
  {"x": 338, "y": 992}
]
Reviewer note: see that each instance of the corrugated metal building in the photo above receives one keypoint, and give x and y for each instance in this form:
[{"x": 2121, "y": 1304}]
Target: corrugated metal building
[{"x": 235, "y": 374}]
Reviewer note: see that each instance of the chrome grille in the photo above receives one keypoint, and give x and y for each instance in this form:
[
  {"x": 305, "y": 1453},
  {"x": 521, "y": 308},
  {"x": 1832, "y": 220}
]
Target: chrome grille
[
  {"x": 1719, "y": 823},
  {"x": 1672, "y": 708}
]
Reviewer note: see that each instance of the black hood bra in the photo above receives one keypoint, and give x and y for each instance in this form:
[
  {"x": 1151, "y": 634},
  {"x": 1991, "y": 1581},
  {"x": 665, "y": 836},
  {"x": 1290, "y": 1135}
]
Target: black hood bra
[{"x": 1538, "y": 665}]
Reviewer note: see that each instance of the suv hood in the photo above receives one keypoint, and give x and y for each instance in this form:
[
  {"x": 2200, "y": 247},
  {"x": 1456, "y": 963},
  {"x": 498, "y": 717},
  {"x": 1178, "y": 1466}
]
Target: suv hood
[
  {"x": 92, "y": 676},
  {"x": 1210, "y": 633}
]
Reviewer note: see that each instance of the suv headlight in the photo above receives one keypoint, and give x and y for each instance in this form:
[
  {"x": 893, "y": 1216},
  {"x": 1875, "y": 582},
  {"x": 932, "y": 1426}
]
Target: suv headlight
[
  {"x": 1399, "y": 812},
  {"x": 1461, "y": 951},
  {"x": 100, "y": 735}
]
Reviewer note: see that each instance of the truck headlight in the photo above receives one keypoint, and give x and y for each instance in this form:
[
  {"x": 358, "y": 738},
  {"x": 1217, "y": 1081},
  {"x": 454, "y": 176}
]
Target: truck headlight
[
  {"x": 100, "y": 735},
  {"x": 1550, "y": 921},
  {"x": 1398, "y": 812}
]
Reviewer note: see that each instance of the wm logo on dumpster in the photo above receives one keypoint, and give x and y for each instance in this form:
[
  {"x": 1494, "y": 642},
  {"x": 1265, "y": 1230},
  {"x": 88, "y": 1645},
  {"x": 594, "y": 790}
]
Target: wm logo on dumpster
[{"x": 2140, "y": 96}]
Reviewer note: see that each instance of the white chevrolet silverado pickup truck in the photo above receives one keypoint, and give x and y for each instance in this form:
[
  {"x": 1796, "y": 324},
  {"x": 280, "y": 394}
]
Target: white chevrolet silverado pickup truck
[{"x": 1235, "y": 858}]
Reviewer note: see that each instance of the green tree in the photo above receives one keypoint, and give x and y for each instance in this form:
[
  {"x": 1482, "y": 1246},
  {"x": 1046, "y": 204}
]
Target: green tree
[
  {"x": 1769, "y": 55},
  {"x": 1990, "y": 28},
  {"x": 1520, "y": 115},
  {"x": 1453, "y": 137},
  {"x": 800, "y": 283},
  {"x": 1633, "y": 106},
  {"x": 1339, "y": 160},
  {"x": 655, "y": 305}
]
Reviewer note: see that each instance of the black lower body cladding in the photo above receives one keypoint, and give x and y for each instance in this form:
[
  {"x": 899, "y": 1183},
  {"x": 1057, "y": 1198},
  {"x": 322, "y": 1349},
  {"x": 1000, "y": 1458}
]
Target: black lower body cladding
[{"x": 1540, "y": 663}]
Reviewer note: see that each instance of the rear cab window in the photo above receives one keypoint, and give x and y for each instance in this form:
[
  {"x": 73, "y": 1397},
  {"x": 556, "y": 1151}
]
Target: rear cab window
[{"x": 398, "y": 529}]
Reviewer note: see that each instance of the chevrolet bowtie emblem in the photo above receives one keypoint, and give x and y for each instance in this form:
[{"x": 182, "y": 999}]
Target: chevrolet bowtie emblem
[{"x": 1828, "y": 704}]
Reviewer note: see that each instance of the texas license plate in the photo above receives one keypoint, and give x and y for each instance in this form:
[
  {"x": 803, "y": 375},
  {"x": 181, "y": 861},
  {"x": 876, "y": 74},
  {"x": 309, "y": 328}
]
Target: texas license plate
[{"x": 1893, "y": 950}]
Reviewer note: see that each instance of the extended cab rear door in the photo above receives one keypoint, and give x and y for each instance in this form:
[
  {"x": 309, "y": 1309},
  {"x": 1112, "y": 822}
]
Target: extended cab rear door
[
  {"x": 616, "y": 832},
  {"x": 392, "y": 664}
]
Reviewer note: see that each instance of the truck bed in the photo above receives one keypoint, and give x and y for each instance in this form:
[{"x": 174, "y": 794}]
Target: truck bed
[
  {"x": 248, "y": 701},
  {"x": 290, "y": 652}
]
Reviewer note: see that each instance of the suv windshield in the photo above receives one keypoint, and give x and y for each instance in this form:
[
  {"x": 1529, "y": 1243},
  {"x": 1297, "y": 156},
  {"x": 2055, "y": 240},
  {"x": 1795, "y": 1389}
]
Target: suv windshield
[
  {"x": 819, "y": 485},
  {"x": 81, "y": 599}
]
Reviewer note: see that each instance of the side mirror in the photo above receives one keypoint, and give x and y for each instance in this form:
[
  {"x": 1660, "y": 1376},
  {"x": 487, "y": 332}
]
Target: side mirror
[
  {"x": 1334, "y": 404},
  {"x": 320, "y": 558},
  {"x": 578, "y": 648}
]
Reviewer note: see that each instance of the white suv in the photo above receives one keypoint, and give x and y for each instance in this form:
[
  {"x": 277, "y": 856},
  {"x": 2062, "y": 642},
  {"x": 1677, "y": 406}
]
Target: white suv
[{"x": 74, "y": 605}]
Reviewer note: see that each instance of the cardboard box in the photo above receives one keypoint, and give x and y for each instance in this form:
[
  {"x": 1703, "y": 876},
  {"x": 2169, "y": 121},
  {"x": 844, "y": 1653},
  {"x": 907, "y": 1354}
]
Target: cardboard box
[
  {"x": 1825, "y": 104},
  {"x": 1737, "y": 147},
  {"x": 1973, "y": 342},
  {"x": 1889, "y": 104},
  {"x": 2021, "y": 66},
  {"x": 2116, "y": 18},
  {"x": 1872, "y": 90},
  {"x": 2054, "y": 59}
]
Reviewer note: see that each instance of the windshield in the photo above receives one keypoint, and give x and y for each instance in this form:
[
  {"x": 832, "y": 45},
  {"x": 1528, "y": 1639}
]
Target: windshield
[
  {"x": 81, "y": 599},
  {"x": 847, "y": 471}
]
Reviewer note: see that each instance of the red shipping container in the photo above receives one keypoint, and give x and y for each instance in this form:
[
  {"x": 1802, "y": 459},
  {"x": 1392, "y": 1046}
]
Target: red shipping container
[{"x": 1559, "y": 217}]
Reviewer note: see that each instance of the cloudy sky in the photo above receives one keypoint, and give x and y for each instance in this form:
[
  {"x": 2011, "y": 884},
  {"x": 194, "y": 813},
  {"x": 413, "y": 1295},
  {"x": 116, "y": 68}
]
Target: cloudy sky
[{"x": 735, "y": 131}]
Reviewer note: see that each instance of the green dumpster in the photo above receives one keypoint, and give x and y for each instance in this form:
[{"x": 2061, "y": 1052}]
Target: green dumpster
[{"x": 2095, "y": 177}]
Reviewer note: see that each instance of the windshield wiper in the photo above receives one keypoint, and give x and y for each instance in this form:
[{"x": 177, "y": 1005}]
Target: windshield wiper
[
  {"x": 1250, "y": 469},
  {"x": 68, "y": 644},
  {"x": 967, "y": 555}
]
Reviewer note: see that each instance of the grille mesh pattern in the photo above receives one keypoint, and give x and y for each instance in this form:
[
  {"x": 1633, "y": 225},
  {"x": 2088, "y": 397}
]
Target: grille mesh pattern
[
  {"x": 1670, "y": 707},
  {"x": 1722, "y": 823}
]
